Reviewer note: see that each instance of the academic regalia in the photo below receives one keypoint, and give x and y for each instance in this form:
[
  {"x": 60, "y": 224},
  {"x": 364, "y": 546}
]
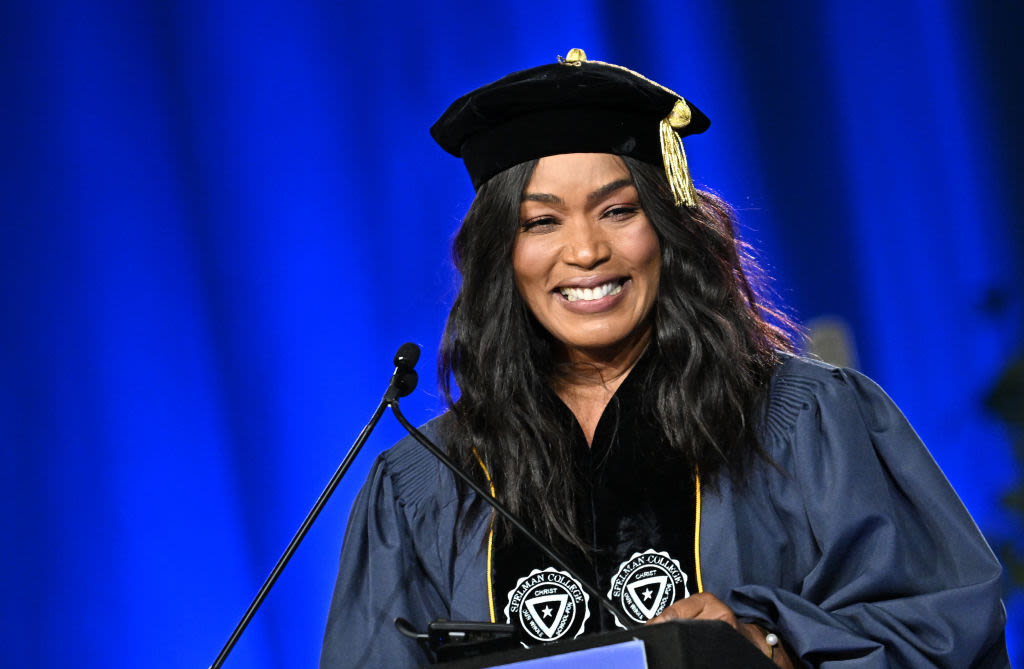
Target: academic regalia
[{"x": 851, "y": 545}]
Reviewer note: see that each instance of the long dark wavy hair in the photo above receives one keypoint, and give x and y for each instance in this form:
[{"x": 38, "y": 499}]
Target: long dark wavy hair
[{"x": 717, "y": 343}]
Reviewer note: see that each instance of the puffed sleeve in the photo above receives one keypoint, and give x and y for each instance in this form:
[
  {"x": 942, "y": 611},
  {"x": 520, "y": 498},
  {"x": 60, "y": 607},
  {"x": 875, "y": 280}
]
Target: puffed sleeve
[
  {"x": 391, "y": 565},
  {"x": 379, "y": 579},
  {"x": 867, "y": 557}
]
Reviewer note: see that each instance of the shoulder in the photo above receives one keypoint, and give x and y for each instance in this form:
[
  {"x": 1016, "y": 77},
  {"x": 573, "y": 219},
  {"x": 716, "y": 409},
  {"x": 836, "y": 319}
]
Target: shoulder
[
  {"x": 822, "y": 413},
  {"x": 801, "y": 387},
  {"x": 414, "y": 474},
  {"x": 837, "y": 433},
  {"x": 798, "y": 376}
]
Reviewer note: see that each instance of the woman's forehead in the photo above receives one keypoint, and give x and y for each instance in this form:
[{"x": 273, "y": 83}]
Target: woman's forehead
[{"x": 576, "y": 171}]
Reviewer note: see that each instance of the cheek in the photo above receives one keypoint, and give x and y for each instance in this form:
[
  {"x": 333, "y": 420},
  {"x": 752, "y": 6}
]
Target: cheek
[
  {"x": 646, "y": 254},
  {"x": 527, "y": 266},
  {"x": 519, "y": 270}
]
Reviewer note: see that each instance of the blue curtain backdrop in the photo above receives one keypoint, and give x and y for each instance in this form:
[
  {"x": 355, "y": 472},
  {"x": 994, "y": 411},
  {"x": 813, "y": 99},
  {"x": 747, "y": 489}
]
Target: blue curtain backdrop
[{"x": 220, "y": 218}]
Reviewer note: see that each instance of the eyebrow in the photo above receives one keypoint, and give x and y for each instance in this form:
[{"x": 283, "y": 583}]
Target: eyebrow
[{"x": 593, "y": 198}]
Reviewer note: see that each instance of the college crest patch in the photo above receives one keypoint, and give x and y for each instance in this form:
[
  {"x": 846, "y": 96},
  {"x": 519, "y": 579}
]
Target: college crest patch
[
  {"x": 548, "y": 605},
  {"x": 647, "y": 583}
]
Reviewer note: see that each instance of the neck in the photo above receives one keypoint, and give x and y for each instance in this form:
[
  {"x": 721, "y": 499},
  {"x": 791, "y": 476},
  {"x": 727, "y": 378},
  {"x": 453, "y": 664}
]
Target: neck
[
  {"x": 600, "y": 367},
  {"x": 588, "y": 379}
]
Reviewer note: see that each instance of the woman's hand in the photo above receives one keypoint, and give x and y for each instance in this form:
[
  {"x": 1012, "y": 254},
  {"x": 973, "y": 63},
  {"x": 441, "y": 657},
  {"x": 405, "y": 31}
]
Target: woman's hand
[{"x": 705, "y": 606}]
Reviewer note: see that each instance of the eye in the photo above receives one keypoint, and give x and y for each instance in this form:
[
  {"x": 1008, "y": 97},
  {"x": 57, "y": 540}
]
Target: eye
[
  {"x": 538, "y": 224},
  {"x": 621, "y": 212}
]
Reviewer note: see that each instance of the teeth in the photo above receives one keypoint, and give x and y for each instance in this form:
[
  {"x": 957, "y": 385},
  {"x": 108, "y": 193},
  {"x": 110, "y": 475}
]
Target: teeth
[{"x": 589, "y": 294}]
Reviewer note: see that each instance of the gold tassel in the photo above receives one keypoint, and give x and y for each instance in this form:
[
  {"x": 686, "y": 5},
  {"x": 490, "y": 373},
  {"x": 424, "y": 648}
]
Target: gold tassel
[{"x": 676, "y": 169}]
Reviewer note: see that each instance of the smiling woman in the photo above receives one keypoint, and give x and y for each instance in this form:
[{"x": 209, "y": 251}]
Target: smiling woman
[{"x": 622, "y": 387}]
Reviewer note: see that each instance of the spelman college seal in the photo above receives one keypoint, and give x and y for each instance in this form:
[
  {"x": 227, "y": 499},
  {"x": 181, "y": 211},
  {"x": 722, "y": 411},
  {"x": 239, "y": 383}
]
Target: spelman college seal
[
  {"x": 547, "y": 606},
  {"x": 646, "y": 583}
]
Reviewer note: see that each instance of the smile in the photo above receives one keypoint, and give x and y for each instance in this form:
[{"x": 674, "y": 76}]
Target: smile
[{"x": 574, "y": 294}]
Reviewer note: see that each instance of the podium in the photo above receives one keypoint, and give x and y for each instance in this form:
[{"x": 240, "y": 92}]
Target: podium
[{"x": 679, "y": 644}]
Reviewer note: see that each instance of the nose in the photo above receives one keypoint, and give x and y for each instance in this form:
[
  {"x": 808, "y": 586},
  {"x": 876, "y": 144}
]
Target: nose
[{"x": 585, "y": 244}]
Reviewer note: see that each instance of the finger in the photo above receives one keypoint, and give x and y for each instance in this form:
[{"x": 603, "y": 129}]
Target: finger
[
  {"x": 684, "y": 609},
  {"x": 701, "y": 606}
]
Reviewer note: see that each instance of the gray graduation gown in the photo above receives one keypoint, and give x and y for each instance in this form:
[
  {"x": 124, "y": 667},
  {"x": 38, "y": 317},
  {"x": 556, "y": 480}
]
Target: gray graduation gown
[{"x": 856, "y": 550}]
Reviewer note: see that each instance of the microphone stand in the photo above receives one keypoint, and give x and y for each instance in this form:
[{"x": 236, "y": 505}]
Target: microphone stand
[{"x": 399, "y": 386}]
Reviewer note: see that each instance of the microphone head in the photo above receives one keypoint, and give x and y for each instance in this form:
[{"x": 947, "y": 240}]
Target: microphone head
[{"x": 407, "y": 357}]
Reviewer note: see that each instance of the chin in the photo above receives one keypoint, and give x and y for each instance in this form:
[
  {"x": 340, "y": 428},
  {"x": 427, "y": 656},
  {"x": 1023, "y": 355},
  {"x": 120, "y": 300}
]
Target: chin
[{"x": 604, "y": 345}]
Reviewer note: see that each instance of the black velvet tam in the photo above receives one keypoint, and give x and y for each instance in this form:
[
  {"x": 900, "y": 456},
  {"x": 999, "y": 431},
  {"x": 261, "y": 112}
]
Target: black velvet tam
[{"x": 565, "y": 107}]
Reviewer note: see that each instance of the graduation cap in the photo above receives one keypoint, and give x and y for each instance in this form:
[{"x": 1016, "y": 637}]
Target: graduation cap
[{"x": 572, "y": 106}]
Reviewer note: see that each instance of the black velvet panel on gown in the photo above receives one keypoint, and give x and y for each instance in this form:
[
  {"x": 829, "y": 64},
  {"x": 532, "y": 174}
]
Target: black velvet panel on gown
[{"x": 637, "y": 508}]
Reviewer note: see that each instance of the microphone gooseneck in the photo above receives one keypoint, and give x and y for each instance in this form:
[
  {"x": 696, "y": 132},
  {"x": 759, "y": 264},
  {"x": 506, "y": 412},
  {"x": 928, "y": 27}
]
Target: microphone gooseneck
[{"x": 501, "y": 510}]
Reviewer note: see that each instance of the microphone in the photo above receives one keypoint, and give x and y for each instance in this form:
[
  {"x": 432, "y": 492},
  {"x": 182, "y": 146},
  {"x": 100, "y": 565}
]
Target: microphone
[
  {"x": 498, "y": 507},
  {"x": 403, "y": 382}
]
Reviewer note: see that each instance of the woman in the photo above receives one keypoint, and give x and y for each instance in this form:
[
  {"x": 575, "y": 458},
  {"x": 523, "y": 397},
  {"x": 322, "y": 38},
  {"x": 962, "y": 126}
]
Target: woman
[{"x": 622, "y": 388}]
